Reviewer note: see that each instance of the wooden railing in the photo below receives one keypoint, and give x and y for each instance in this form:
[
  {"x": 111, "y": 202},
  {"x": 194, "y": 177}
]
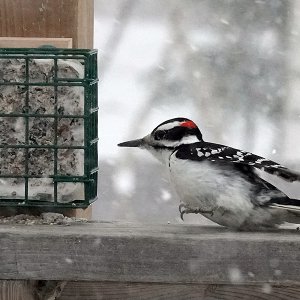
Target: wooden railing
[{"x": 134, "y": 261}]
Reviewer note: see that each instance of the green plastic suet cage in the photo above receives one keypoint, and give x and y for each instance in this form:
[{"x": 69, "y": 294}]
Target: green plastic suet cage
[{"x": 48, "y": 127}]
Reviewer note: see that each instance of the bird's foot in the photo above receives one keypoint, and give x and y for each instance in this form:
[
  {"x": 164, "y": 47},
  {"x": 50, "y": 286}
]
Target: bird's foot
[{"x": 183, "y": 209}]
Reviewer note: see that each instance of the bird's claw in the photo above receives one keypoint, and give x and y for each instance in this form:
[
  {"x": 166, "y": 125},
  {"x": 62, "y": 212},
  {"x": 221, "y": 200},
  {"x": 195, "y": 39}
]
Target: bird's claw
[
  {"x": 181, "y": 205},
  {"x": 183, "y": 209}
]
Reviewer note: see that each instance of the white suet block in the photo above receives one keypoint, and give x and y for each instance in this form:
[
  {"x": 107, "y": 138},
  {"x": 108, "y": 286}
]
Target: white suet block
[{"x": 41, "y": 100}]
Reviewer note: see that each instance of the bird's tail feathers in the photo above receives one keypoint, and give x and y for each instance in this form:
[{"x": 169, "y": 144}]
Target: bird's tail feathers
[
  {"x": 282, "y": 172},
  {"x": 292, "y": 208},
  {"x": 286, "y": 203}
]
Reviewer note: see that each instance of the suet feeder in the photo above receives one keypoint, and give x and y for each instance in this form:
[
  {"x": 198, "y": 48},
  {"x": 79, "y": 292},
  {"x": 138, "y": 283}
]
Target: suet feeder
[{"x": 48, "y": 127}]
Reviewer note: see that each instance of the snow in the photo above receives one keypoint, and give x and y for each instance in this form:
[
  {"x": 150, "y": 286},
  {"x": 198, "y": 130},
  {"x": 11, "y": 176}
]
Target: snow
[
  {"x": 267, "y": 288},
  {"x": 165, "y": 195},
  {"x": 235, "y": 275},
  {"x": 43, "y": 219},
  {"x": 124, "y": 181}
]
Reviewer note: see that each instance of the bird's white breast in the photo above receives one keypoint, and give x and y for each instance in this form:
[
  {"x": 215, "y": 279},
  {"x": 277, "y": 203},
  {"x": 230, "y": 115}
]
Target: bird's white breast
[{"x": 208, "y": 186}]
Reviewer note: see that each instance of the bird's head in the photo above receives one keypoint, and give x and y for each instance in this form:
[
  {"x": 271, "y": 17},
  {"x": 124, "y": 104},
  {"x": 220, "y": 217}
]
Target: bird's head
[{"x": 167, "y": 136}]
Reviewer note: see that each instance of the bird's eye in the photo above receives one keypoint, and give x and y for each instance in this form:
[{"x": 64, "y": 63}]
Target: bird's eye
[{"x": 159, "y": 135}]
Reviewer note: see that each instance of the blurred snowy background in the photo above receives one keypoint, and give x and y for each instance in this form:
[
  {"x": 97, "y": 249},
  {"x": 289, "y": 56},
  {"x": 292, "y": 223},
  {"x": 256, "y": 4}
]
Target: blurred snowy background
[{"x": 230, "y": 65}]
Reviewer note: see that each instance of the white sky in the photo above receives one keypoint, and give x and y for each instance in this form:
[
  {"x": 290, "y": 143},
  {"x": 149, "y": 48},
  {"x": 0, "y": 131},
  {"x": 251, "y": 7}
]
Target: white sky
[{"x": 121, "y": 92}]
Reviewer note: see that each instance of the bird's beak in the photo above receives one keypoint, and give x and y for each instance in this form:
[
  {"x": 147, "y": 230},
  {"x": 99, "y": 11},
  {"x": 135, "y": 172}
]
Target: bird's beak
[{"x": 132, "y": 143}]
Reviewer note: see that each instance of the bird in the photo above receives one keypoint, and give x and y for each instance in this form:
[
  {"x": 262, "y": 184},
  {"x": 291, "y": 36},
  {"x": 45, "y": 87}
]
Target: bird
[{"x": 220, "y": 182}]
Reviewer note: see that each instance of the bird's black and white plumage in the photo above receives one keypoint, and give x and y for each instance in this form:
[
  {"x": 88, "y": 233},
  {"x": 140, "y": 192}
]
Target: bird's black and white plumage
[{"x": 218, "y": 181}]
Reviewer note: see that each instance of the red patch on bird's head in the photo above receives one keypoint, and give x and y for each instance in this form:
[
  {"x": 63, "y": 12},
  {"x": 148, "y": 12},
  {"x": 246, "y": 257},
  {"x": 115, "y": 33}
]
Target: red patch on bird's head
[{"x": 188, "y": 124}]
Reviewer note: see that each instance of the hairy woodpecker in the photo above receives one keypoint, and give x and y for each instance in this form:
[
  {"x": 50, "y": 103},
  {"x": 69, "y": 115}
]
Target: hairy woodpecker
[{"x": 218, "y": 181}]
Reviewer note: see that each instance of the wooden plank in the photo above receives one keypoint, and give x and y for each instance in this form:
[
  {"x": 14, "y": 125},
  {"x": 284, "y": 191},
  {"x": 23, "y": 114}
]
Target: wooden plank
[
  {"x": 48, "y": 19},
  {"x": 38, "y": 210},
  {"x": 140, "y": 291},
  {"x": 85, "y": 25},
  {"x": 21, "y": 42},
  {"x": 85, "y": 213},
  {"x": 30, "y": 289},
  {"x": 17, "y": 290},
  {"x": 141, "y": 253}
]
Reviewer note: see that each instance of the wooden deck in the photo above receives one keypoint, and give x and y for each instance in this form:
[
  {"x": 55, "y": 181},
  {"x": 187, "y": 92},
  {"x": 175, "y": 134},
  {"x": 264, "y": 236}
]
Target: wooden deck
[{"x": 134, "y": 261}]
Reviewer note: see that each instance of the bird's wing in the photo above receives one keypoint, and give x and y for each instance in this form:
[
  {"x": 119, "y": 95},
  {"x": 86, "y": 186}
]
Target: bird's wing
[{"x": 216, "y": 152}]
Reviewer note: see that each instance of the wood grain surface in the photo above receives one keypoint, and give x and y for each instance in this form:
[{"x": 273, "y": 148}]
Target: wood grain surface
[
  {"x": 17, "y": 290},
  {"x": 144, "y": 291},
  {"x": 51, "y": 19},
  {"x": 22, "y": 42},
  {"x": 148, "y": 253}
]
